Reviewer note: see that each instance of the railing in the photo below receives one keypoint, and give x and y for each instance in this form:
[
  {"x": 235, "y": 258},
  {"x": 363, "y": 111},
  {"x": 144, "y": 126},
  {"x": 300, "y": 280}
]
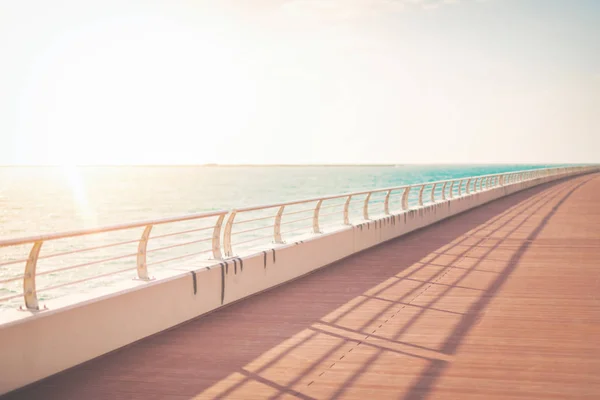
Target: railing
[{"x": 245, "y": 226}]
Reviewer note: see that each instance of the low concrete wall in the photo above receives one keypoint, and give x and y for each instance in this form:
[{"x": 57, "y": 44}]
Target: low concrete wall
[{"x": 52, "y": 341}]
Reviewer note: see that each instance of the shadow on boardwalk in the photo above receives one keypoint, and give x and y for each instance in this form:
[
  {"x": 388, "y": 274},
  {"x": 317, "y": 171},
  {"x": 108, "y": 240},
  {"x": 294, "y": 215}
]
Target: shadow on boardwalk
[{"x": 319, "y": 335}]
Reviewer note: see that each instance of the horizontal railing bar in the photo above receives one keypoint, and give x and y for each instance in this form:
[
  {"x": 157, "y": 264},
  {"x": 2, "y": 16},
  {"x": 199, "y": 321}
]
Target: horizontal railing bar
[
  {"x": 333, "y": 213},
  {"x": 300, "y": 211},
  {"x": 12, "y": 279},
  {"x": 332, "y": 206},
  {"x": 100, "y": 247},
  {"x": 87, "y": 249},
  {"x": 254, "y": 239},
  {"x": 252, "y": 230},
  {"x": 356, "y": 204},
  {"x": 64, "y": 254},
  {"x": 306, "y": 228},
  {"x": 85, "y": 279},
  {"x": 109, "y": 228},
  {"x": 206, "y": 228},
  {"x": 376, "y": 201},
  {"x": 297, "y": 220},
  {"x": 14, "y": 296},
  {"x": 85, "y": 264},
  {"x": 329, "y": 201},
  {"x": 253, "y": 219},
  {"x": 312, "y": 200},
  {"x": 180, "y": 257},
  {"x": 4, "y": 264},
  {"x": 178, "y": 245}
]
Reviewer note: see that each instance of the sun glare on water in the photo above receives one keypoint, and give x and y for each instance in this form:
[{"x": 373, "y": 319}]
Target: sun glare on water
[{"x": 74, "y": 178}]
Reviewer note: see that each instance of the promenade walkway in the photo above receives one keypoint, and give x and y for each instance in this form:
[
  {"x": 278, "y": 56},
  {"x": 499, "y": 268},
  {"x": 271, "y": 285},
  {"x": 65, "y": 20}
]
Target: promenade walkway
[{"x": 500, "y": 302}]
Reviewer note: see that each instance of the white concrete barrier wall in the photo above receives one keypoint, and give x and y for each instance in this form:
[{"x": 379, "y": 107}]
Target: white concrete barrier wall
[{"x": 52, "y": 341}]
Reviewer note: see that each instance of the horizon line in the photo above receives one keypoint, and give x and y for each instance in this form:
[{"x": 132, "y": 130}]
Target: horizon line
[
  {"x": 298, "y": 164},
  {"x": 293, "y": 164}
]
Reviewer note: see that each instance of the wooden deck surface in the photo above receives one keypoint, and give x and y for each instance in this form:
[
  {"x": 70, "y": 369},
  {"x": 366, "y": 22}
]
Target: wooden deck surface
[{"x": 502, "y": 302}]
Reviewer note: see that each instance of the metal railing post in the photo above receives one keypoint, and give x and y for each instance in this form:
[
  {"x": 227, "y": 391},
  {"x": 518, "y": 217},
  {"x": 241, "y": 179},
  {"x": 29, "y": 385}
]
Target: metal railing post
[
  {"x": 227, "y": 235},
  {"x": 468, "y": 186},
  {"x": 316, "y": 228},
  {"x": 142, "y": 267},
  {"x": 386, "y": 203},
  {"x": 452, "y": 190},
  {"x": 405, "y": 198},
  {"x": 366, "y": 206},
  {"x": 277, "y": 226},
  {"x": 29, "y": 293},
  {"x": 216, "y": 238},
  {"x": 421, "y": 195},
  {"x": 346, "y": 207},
  {"x": 433, "y": 193},
  {"x": 460, "y": 188}
]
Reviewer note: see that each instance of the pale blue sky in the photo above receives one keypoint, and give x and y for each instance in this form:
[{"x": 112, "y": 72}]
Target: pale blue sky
[{"x": 300, "y": 81}]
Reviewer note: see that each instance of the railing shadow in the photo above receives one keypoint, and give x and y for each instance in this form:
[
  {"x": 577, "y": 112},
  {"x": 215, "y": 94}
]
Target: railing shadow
[
  {"x": 427, "y": 379},
  {"x": 279, "y": 342},
  {"x": 414, "y": 293}
]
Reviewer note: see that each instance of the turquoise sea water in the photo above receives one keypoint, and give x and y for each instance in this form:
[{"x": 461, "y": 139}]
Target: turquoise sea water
[
  {"x": 36, "y": 200},
  {"x": 42, "y": 200}
]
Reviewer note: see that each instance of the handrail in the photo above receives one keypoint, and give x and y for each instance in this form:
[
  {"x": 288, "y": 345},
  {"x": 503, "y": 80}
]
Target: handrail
[
  {"x": 108, "y": 228},
  {"x": 358, "y": 193},
  {"x": 425, "y": 193},
  {"x": 29, "y": 276}
]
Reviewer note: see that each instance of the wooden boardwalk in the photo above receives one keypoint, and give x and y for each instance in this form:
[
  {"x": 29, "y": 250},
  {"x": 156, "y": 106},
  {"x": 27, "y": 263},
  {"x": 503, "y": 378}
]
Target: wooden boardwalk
[{"x": 500, "y": 302}]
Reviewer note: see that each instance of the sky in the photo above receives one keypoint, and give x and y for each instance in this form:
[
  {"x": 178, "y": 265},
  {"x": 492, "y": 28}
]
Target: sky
[{"x": 299, "y": 81}]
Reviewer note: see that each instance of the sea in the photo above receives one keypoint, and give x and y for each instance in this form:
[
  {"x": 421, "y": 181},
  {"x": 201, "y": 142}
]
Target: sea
[{"x": 44, "y": 200}]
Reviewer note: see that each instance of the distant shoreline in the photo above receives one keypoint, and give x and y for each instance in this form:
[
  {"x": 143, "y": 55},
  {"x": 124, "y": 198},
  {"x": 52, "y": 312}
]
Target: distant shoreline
[{"x": 280, "y": 165}]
